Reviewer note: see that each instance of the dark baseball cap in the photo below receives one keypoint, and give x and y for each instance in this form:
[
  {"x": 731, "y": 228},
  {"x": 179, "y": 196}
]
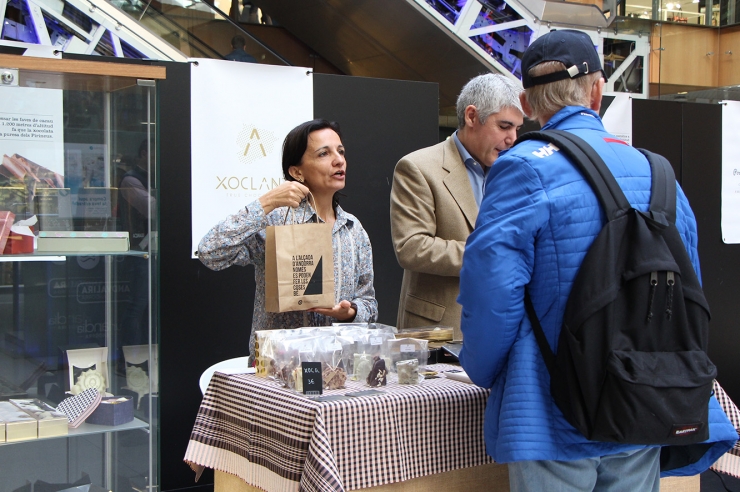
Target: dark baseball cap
[{"x": 574, "y": 49}]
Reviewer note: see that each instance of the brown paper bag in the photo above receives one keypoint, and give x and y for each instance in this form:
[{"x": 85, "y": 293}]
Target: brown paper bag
[{"x": 299, "y": 267}]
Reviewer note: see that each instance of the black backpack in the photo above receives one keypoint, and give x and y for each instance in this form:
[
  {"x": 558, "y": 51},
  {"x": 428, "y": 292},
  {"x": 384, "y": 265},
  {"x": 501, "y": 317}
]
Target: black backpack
[{"x": 631, "y": 363}]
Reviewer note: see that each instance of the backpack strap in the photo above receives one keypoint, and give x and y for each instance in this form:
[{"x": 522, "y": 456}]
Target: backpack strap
[
  {"x": 663, "y": 188},
  {"x": 609, "y": 193},
  {"x": 539, "y": 334},
  {"x": 585, "y": 158}
]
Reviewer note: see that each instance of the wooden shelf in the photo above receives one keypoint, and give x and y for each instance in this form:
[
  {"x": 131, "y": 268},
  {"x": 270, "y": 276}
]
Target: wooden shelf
[
  {"x": 83, "y": 67},
  {"x": 81, "y": 75}
]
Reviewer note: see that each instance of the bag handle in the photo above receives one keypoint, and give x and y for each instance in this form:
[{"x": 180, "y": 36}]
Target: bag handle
[{"x": 292, "y": 210}]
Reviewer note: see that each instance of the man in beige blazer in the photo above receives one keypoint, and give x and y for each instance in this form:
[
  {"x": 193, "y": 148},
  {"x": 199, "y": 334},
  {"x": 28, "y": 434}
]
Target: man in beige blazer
[{"x": 435, "y": 198}]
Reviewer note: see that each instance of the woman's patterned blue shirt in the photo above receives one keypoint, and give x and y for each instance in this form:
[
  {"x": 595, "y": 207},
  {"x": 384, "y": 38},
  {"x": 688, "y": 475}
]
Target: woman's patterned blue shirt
[{"x": 240, "y": 240}]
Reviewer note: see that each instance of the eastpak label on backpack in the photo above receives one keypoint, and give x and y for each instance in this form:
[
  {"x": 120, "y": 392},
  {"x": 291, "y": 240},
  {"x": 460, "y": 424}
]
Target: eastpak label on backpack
[{"x": 631, "y": 363}]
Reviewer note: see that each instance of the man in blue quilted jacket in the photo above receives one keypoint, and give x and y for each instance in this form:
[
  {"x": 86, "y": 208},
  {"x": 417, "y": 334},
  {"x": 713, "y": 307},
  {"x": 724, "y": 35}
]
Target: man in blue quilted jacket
[{"x": 537, "y": 220}]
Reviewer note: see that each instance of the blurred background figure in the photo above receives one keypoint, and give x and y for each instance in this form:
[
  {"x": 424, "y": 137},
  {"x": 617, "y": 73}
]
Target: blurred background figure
[
  {"x": 134, "y": 205},
  {"x": 238, "y": 53}
]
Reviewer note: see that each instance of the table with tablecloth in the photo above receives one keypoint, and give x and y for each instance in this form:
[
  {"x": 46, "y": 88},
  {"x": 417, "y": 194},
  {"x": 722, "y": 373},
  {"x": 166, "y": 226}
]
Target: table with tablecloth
[
  {"x": 279, "y": 440},
  {"x": 276, "y": 438}
]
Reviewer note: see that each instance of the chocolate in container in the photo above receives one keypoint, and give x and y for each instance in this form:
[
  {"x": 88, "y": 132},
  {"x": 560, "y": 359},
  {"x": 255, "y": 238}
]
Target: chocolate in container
[
  {"x": 333, "y": 377},
  {"x": 19, "y": 426},
  {"x": 289, "y": 353},
  {"x": 379, "y": 374},
  {"x": 408, "y": 371},
  {"x": 407, "y": 349},
  {"x": 363, "y": 364},
  {"x": 50, "y": 422}
]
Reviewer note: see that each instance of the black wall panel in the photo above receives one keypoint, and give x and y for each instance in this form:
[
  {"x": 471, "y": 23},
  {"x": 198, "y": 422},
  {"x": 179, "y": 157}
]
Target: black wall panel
[
  {"x": 205, "y": 315},
  {"x": 720, "y": 262},
  {"x": 201, "y": 312},
  {"x": 656, "y": 126},
  {"x": 381, "y": 120},
  {"x": 690, "y": 135}
]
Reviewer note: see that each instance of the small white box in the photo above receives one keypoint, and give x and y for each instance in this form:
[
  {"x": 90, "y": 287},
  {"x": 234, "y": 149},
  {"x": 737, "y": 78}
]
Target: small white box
[
  {"x": 82, "y": 241},
  {"x": 50, "y": 422},
  {"x": 19, "y": 426}
]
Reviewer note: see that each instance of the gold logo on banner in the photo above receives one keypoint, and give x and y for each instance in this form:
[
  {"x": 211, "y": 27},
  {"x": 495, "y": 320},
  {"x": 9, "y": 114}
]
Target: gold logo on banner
[{"x": 254, "y": 143}]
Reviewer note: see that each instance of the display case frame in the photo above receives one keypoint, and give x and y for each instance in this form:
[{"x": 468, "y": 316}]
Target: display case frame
[{"x": 79, "y": 299}]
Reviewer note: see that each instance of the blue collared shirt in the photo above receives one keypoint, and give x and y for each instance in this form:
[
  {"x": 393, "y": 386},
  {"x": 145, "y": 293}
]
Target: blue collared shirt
[{"x": 476, "y": 172}]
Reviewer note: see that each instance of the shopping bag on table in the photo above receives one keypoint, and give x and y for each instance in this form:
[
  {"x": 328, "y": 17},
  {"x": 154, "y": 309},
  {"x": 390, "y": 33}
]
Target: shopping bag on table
[{"x": 299, "y": 267}]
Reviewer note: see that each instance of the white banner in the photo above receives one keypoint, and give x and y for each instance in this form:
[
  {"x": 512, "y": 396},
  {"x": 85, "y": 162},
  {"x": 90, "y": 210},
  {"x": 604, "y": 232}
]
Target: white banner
[
  {"x": 618, "y": 117},
  {"x": 31, "y": 133},
  {"x": 731, "y": 172},
  {"x": 240, "y": 114}
]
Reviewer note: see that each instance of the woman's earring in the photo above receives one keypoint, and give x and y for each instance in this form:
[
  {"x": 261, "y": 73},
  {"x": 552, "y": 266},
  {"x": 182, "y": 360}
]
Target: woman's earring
[{"x": 299, "y": 179}]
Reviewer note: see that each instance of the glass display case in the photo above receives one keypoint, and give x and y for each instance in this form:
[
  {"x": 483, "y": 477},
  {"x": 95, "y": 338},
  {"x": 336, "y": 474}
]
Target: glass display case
[{"x": 78, "y": 275}]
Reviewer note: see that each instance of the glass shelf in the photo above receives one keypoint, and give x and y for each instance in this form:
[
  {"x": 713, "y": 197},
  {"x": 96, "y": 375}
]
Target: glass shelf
[
  {"x": 89, "y": 429},
  {"x": 51, "y": 256}
]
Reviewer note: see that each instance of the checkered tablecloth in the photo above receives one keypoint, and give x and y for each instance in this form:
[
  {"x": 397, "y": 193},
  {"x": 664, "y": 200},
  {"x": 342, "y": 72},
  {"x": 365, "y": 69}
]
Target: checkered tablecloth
[
  {"x": 730, "y": 461},
  {"x": 279, "y": 440}
]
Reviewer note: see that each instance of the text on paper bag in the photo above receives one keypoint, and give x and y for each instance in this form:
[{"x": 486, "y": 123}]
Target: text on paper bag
[{"x": 307, "y": 275}]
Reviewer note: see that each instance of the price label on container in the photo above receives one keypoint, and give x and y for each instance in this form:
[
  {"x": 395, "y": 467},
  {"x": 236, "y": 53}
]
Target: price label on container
[
  {"x": 312, "y": 380},
  {"x": 376, "y": 340},
  {"x": 408, "y": 347}
]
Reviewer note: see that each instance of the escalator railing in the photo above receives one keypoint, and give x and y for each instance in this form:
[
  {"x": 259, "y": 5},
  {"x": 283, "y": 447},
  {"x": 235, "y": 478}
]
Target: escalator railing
[
  {"x": 501, "y": 30},
  {"x": 160, "y": 30},
  {"x": 196, "y": 28}
]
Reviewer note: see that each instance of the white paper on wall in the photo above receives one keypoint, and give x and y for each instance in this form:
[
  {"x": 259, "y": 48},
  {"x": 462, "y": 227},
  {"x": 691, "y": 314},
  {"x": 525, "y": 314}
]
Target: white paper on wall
[
  {"x": 617, "y": 118},
  {"x": 731, "y": 172},
  {"x": 240, "y": 114},
  {"x": 31, "y": 131}
]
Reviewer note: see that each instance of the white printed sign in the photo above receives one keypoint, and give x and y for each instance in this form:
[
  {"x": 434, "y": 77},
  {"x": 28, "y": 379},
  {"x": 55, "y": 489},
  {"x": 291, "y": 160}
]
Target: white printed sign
[
  {"x": 31, "y": 132},
  {"x": 730, "y": 172},
  {"x": 240, "y": 113},
  {"x": 618, "y": 117}
]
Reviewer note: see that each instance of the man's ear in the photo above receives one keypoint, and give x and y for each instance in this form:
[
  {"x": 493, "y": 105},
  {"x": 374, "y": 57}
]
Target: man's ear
[
  {"x": 597, "y": 91},
  {"x": 525, "y": 105},
  {"x": 471, "y": 115}
]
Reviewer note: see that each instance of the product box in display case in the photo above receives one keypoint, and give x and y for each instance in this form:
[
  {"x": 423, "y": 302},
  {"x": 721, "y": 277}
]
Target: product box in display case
[
  {"x": 83, "y": 241},
  {"x": 114, "y": 410},
  {"x": 53, "y": 207},
  {"x": 50, "y": 423},
  {"x": 6, "y": 221},
  {"x": 19, "y": 426},
  {"x": 21, "y": 238}
]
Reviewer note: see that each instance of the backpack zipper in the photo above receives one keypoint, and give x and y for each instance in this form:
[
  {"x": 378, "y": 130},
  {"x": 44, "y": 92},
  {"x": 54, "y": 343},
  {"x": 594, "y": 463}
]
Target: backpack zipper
[
  {"x": 670, "y": 280},
  {"x": 653, "y": 285}
]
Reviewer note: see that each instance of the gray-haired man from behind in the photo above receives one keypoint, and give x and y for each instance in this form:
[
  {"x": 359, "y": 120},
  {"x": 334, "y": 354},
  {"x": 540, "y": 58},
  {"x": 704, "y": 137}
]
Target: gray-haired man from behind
[
  {"x": 435, "y": 198},
  {"x": 538, "y": 219}
]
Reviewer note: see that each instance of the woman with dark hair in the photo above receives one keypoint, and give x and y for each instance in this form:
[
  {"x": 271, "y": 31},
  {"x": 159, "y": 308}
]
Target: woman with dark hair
[{"x": 313, "y": 161}]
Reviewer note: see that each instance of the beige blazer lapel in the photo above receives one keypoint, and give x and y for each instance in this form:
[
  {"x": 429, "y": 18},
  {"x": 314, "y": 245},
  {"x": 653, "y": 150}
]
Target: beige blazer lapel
[{"x": 458, "y": 182}]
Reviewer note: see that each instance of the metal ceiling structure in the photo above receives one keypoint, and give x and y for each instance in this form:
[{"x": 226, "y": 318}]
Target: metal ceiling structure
[
  {"x": 82, "y": 27},
  {"x": 449, "y": 42},
  {"x": 442, "y": 41}
]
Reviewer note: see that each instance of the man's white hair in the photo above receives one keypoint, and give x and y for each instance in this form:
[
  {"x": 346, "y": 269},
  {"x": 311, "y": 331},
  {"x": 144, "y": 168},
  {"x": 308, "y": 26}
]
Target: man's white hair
[
  {"x": 490, "y": 94},
  {"x": 547, "y": 99}
]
